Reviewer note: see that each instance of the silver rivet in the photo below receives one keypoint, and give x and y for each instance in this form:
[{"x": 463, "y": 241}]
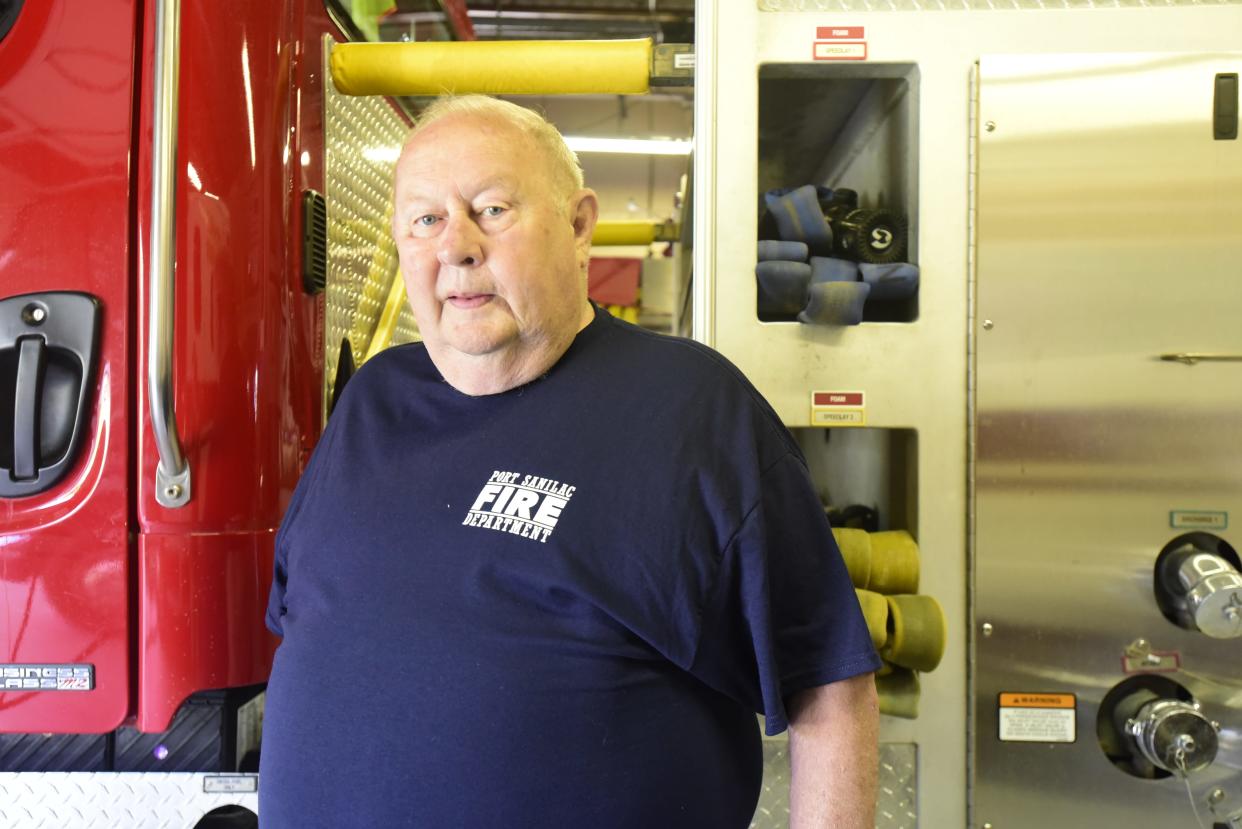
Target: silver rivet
[
  {"x": 987, "y": 628},
  {"x": 34, "y": 314},
  {"x": 990, "y": 126},
  {"x": 1216, "y": 796},
  {"x": 987, "y": 325},
  {"x": 172, "y": 492}
]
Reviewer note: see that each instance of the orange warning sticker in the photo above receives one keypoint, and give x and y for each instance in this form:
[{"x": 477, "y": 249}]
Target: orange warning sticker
[
  {"x": 1036, "y": 700},
  {"x": 1037, "y": 718}
]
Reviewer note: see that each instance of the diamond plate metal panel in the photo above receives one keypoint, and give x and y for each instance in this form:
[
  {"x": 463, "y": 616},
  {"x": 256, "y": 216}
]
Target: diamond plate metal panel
[
  {"x": 362, "y": 138},
  {"x": 896, "y": 804},
  {"x": 969, "y": 5},
  {"x": 109, "y": 800},
  {"x": 772, "y": 812}
]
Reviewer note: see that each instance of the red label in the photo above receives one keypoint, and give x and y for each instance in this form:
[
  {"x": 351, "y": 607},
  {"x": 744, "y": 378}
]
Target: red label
[
  {"x": 839, "y": 32},
  {"x": 837, "y": 398}
]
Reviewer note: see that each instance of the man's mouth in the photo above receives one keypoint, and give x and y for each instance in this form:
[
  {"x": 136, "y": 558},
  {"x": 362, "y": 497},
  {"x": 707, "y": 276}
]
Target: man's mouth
[{"x": 465, "y": 300}]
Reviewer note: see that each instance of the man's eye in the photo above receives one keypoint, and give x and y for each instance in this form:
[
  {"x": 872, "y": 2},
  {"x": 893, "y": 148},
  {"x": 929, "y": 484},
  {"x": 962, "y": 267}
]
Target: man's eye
[
  {"x": 426, "y": 221},
  {"x": 492, "y": 211}
]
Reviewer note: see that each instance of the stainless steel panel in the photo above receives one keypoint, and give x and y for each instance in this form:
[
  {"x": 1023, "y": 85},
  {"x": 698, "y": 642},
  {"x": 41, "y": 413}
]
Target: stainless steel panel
[
  {"x": 896, "y": 805},
  {"x": 362, "y": 138},
  {"x": 1109, "y": 227},
  {"x": 965, "y": 5}
]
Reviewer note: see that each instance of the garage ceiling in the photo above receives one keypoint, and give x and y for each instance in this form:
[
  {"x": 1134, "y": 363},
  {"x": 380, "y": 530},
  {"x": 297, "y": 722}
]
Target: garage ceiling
[{"x": 666, "y": 21}]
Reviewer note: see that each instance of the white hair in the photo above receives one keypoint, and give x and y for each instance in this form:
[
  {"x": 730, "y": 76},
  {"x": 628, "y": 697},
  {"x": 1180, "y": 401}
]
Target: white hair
[{"x": 563, "y": 162}]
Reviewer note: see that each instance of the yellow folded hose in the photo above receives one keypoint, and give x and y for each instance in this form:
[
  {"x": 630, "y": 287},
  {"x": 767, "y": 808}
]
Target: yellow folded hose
[
  {"x": 855, "y": 548},
  {"x": 875, "y": 612},
  {"x": 894, "y": 563},
  {"x": 899, "y": 693},
  {"x": 525, "y": 67},
  {"x": 917, "y": 632}
]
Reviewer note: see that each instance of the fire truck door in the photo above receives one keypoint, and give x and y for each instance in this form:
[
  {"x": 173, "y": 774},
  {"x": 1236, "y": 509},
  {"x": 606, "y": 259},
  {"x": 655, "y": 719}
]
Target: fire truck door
[{"x": 67, "y": 85}]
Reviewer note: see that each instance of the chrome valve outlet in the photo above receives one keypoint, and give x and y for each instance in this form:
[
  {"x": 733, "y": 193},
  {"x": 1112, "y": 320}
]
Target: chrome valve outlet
[
  {"x": 1173, "y": 735},
  {"x": 1213, "y": 594},
  {"x": 1198, "y": 586}
]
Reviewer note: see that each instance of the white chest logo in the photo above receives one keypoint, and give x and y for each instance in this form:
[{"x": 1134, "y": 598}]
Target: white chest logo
[{"x": 524, "y": 505}]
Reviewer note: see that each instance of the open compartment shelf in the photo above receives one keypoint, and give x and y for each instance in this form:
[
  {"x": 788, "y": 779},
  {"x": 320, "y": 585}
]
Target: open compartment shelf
[
  {"x": 844, "y": 127},
  {"x": 865, "y": 469}
]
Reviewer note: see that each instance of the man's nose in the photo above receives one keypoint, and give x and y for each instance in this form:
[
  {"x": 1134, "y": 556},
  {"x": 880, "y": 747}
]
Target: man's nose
[{"x": 461, "y": 243}]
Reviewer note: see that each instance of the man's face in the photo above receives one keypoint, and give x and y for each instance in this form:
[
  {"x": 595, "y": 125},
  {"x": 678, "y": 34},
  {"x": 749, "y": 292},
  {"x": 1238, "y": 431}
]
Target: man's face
[{"x": 491, "y": 259}]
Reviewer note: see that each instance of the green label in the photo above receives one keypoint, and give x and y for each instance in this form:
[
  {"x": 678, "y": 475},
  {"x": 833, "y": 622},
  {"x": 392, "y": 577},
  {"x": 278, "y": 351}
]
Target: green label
[{"x": 1197, "y": 519}]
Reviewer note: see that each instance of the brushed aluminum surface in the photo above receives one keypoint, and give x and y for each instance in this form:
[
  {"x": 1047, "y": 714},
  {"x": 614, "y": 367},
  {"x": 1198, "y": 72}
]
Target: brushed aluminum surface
[
  {"x": 1109, "y": 233},
  {"x": 362, "y": 138},
  {"x": 967, "y": 5},
  {"x": 896, "y": 802}
]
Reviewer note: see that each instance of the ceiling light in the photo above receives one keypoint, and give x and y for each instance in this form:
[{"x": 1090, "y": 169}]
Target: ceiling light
[{"x": 633, "y": 146}]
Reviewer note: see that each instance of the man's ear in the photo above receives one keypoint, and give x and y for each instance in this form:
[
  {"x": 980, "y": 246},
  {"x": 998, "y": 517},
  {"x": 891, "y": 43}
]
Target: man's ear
[{"x": 583, "y": 213}]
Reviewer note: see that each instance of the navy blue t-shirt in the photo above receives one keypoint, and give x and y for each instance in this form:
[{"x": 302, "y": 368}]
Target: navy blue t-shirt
[{"x": 559, "y": 606}]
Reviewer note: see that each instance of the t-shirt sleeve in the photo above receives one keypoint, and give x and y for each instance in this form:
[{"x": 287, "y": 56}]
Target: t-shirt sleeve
[{"x": 782, "y": 615}]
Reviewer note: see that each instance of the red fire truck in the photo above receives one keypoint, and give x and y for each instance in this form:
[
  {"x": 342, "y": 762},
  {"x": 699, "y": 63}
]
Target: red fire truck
[
  {"x": 161, "y": 387},
  {"x": 175, "y": 177}
]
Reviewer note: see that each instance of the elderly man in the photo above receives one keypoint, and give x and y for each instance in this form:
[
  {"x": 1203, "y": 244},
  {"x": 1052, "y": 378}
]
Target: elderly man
[{"x": 544, "y": 566}]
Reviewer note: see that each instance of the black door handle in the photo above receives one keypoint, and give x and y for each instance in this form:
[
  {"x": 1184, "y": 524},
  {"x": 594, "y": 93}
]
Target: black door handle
[
  {"x": 28, "y": 394},
  {"x": 48, "y": 350}
]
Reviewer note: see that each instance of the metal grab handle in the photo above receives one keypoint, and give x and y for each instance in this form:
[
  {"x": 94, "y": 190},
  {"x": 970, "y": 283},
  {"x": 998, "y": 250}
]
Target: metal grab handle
[
  {"x": 172, "y": 473},
  {"x": 1191, "y": 357}
]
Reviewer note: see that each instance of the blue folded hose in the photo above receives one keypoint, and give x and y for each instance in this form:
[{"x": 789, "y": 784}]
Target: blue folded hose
[
  {"x": 770, "y": 249},
  {"x": 899, "y": 280},
  {"x": 827, "y": 269},
  {"x": 835, "y": 303},
  {"x": 799, "y": 218},
  {"x": 782, "y": 287}
]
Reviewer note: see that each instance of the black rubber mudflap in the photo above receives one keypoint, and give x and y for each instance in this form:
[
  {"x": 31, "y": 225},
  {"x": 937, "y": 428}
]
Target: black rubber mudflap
[
  {"x": 192, "y": 743},
  {"x": 203, "y": 737},
  {"x": 54, "y": 752}
]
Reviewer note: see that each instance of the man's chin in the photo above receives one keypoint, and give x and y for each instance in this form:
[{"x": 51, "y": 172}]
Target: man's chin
[{"x": 478, "y": 341}]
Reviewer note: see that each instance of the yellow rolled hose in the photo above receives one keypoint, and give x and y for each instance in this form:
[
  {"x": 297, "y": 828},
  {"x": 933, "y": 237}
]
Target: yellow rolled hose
[
  {"x": 894, "y": 563},
  {"x": 917, "y": 632},
  {"x": 624, "y": 233},
  {"x": 899, "y": 693},
  {"x": 523, "y": 67},
  {"x": 875, "y": 612},
  {"x": 855, "y": 548}
]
